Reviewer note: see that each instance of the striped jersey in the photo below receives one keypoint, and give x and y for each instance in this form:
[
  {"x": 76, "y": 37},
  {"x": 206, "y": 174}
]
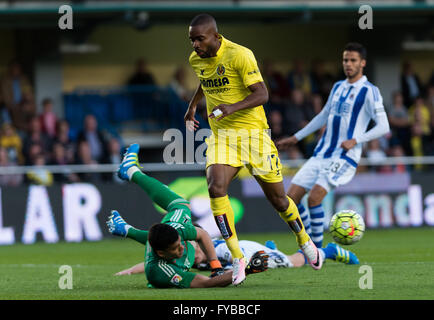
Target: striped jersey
[{"x": 347, "y": 113}]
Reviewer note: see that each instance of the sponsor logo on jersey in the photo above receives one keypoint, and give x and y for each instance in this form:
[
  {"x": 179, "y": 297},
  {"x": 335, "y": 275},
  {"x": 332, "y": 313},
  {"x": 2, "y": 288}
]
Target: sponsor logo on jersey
[
  {"x": 220, "y": 70},
  {"x": 223, "y": 225},
  {"x": 340, "y": 108},
  {"x": 176, "y": 279},
  {"x": 212, "y": 83},
  {"x": 202, "y": 71}
]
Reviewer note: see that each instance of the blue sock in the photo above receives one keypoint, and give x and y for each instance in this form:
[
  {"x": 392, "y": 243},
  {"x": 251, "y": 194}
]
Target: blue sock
[
  {"x": 317, "y": 223},
  {"x": 304, "y": 215}
]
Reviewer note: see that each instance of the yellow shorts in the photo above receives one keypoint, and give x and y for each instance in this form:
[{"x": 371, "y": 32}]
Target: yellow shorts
[{"x": 252, "y": 148}]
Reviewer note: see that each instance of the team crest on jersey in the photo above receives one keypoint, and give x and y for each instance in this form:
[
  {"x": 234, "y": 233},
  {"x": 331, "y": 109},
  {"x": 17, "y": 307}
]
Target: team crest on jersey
[
  {"x": 220, "y": 70},
  {"x": 176, "y": 279}
]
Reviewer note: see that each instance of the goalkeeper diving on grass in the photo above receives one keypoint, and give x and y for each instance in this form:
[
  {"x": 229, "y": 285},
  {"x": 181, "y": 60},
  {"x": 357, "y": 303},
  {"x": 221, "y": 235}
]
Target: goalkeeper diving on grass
[
  {"x": 169, "y": 255},
  {"x": 276, "y": 258}
]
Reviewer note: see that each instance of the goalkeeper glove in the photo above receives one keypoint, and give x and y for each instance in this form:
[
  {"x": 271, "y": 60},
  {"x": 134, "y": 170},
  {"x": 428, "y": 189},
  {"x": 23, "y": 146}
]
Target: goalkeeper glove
[
  {"x": 216, "y": 268},
  {"x": 258, "y": 263}
]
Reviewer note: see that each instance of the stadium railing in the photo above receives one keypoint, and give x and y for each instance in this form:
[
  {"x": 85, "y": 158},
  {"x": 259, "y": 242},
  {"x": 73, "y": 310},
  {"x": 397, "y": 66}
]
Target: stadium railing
[{"x": 161, "y": 167}]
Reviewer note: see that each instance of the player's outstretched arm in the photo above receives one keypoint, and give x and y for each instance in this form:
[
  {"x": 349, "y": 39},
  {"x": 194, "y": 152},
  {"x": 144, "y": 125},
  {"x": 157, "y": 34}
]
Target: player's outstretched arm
[
  {"x": 315, "y": 124},
  {"x": 286, "y": 142},
  {"x": 206, "y": 244},
  {"x": 189, "y": 119},
  {"x": 258, "y": 263},
  {"x": 257, "y": 97},
  {"x": 138, "y": 268},
  {"x": 201, "y": 281}
]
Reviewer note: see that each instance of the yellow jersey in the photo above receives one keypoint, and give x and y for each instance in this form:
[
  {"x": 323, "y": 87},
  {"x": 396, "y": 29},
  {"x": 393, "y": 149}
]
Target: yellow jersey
[{"x": 225, "y": 79}]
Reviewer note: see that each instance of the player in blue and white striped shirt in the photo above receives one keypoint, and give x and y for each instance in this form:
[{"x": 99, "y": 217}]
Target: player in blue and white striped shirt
[{"x": 351, "y": 105}]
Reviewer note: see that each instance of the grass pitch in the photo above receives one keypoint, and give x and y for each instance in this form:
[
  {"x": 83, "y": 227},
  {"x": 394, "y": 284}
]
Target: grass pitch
[{"x": 402, "y": 262}]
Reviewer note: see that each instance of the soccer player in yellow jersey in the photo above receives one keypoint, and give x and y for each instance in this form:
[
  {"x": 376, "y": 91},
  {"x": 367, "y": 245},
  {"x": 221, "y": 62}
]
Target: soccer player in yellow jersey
[{"x": 234, "y": 90}]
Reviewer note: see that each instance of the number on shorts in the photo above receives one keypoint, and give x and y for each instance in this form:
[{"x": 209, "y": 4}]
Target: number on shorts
[
  {"x": 271, "y": 163},
  {"x": 334, "y": 167}
]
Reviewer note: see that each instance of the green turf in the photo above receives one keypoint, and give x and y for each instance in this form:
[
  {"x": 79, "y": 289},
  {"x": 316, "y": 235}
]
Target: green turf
[{"x": 402, "y": 261}]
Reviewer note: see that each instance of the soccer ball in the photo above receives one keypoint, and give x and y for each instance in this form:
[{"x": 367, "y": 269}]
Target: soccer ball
[{"x": 347, "y": 227}]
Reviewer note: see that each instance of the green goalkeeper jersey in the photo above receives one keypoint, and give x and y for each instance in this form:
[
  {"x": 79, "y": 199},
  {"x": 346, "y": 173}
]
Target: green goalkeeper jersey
[{"x": 165, "y": 274}]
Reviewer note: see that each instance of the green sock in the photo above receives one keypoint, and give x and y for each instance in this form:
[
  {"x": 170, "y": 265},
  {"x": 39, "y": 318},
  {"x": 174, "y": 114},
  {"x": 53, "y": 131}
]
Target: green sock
[
  {"x": 157, "y": 191},
  {"x": 138, "y": 235}
]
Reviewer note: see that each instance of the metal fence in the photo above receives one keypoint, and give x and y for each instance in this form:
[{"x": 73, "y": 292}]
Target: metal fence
[{"x": 162, "y": 167}]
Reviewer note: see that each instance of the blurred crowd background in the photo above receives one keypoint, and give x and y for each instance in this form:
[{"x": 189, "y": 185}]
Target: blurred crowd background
[{"x": 91, "y": 123}]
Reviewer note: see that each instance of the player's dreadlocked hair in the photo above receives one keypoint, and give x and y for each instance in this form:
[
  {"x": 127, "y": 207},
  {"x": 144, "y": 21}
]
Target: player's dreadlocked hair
[
  {"x": 355, "y": 46},
  {"x": 201, "y": 19},
  {"x": 161, "y": 236}
]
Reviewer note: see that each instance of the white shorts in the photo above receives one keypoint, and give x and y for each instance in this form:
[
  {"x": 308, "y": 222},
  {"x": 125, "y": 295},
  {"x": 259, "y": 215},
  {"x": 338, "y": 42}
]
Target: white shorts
[{"x": 328, "y": 173}]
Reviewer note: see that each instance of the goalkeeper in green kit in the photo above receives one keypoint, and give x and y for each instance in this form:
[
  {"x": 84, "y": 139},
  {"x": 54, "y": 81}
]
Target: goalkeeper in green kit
[{"x": 169, "y": 255}]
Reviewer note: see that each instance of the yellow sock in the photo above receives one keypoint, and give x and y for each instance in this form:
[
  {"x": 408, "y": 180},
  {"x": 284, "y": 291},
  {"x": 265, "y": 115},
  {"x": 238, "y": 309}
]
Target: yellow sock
[
  {"x": 224, "y": 217},
  {"x": 292, "y": 218}
]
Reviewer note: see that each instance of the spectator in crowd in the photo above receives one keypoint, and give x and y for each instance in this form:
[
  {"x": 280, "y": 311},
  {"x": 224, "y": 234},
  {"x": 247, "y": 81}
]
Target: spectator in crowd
[
  {"x": 317, "y": 103},
  {"x": 430, "y": 105},
  {"x": 297, "y": 113},
  {"x": 14, "y": 86},
  {"x": 141, "y": 76},
  {"x": 292, "y": 153},
  {"x": 145, "y": 102},
  {"x": 13, "y": 144},
  {"x": 316, "y": 107},
  {"x": 62, "y": 137},
  {"x": 115, "y": 158},
  {"x": 39, "y": 175},
  {"x": 179, "y": 85},
  {"x": 36, "y": 136},
  {"x": 322, "y": 81},
  {"x": 8, "y": 180},
  {"x": 411, "y": 86},
  {"x": 278, "y": 88},
  {"x": 400, "y": 122},
  {"x": 84, "y": 156},
  {"x": 430, "y": 97},
  {"x": 397, "y": 151},
  {"x": 22, "y": 113},
  {"x": 275, "y": 121},
  {"x": 299, "y": 79},
  {"x": 48, "y": 118},
  {"x": 420, "y": 120},
  {"x": 95, "y": 138},
  {"x": 34, "y": 151},
  {"x": 431, "y": 80},
  {"x": 376, "y": 155},
  {"x": 5, "y": 116},
  {"x": 60, "y": 159}
]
